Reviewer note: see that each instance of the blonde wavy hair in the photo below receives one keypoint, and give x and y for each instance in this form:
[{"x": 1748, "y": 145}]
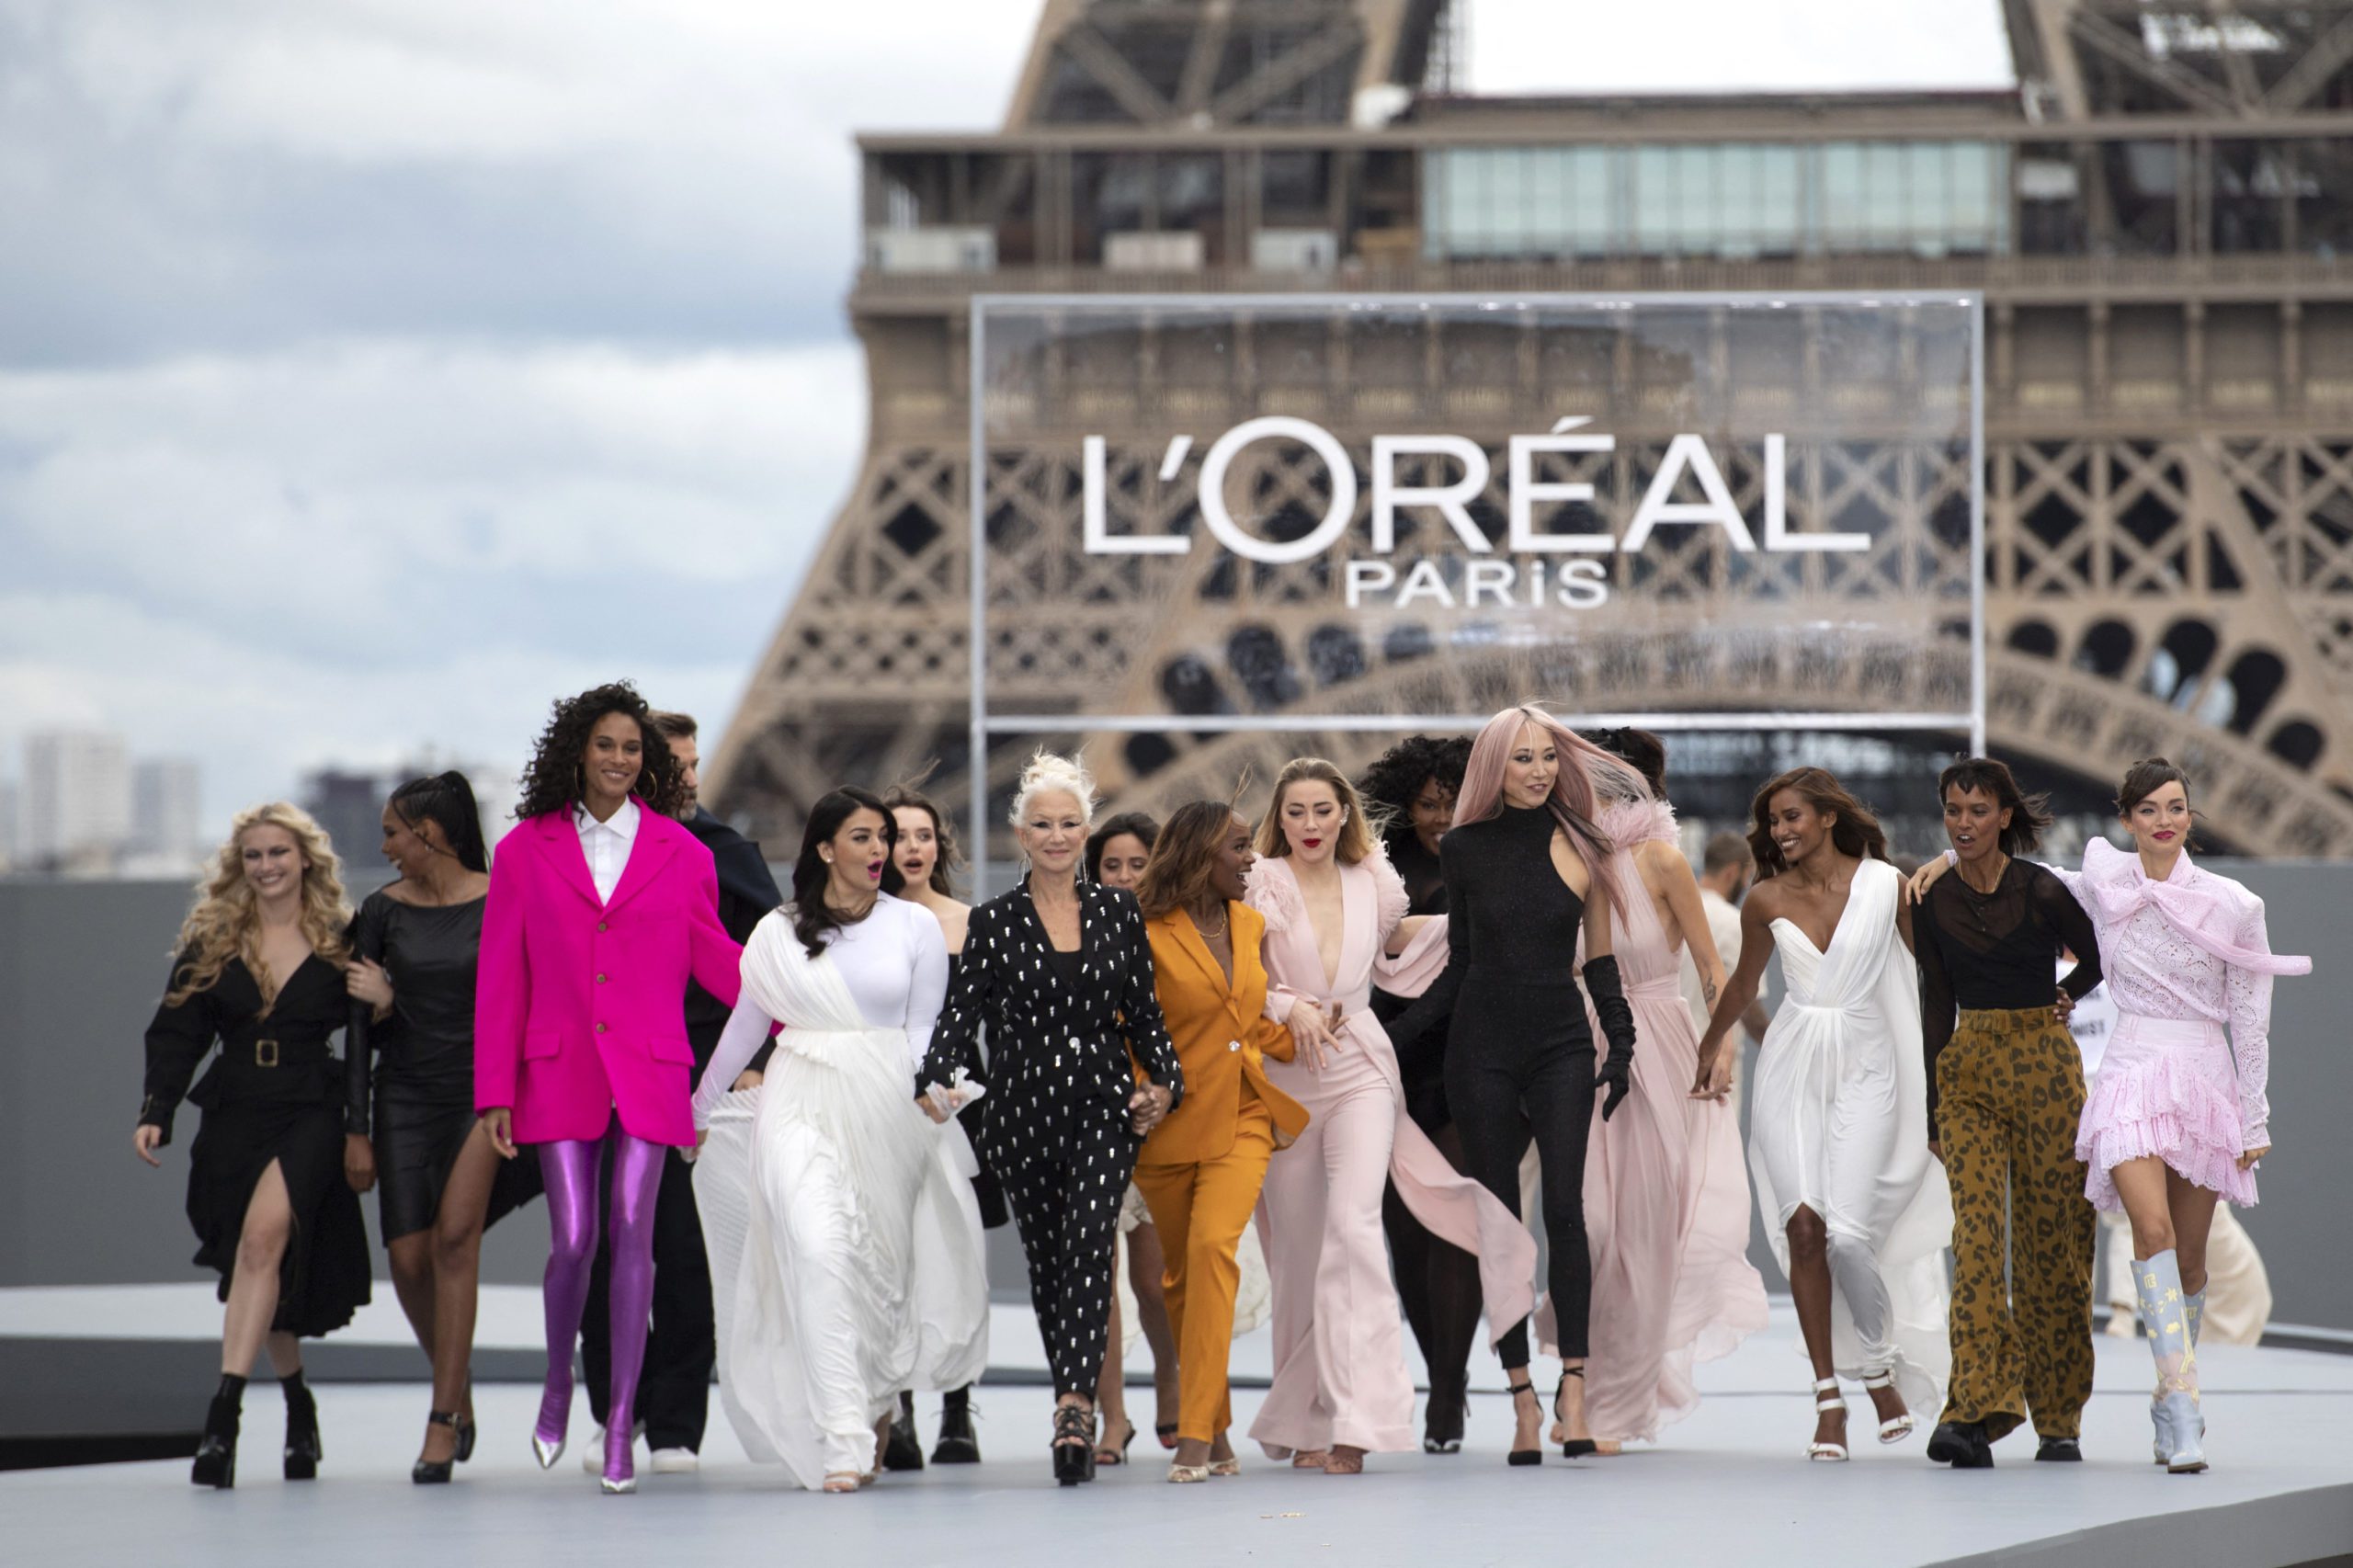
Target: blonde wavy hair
[
  {"x": 226, "y": 921},
  {"x": 1356, "y": 838}
]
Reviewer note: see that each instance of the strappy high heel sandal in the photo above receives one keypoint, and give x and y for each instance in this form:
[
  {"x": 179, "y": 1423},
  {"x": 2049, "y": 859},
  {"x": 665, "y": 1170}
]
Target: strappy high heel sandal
[
  {"x": 1522, "y": 1456},
  {"x": 1570, "y": 1447},
  {"x": 1895, "y": 1428},
  {"x": 1074, "y": 1444},
  {"x": 1115, "y": 1454},
  {"x": 1827, "y": 1398}
]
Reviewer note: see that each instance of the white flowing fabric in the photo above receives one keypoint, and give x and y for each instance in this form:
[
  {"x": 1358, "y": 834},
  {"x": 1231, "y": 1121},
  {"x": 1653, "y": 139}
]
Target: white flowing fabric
[
  {"x": 1838, "y": 1124},
  {"x": 858, "y": 1272}
]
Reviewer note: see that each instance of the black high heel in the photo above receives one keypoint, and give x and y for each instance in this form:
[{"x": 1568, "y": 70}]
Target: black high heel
[
  {"x": 303, "y": 1450},
  {"x": 1074, "y": 1444},
  {"x": 465, "y": 1425},
  {"x": 216, "y": 1456},
  {"x": 1570, "y": 1447},
  {"x": 434, "y": 1472},
  {"x": 1442, "y": 1420},
  {"x": 1523, "y": 1456}
]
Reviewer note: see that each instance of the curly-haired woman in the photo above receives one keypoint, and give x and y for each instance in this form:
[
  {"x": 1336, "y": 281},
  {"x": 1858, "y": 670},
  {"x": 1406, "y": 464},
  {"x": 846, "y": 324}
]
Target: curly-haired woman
[
  {"x": 1409, "y": 793},
  {"x": 259, "y": 971},
  {"x": 601, "y": 907}
]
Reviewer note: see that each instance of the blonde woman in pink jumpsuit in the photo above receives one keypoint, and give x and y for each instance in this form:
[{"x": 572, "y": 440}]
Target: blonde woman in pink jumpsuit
[{"x": 1333, "y": 907}]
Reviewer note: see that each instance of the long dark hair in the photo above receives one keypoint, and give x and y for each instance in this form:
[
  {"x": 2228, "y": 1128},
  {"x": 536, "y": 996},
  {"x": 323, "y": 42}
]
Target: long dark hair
[
  {"x": 1141, "y": 825},
  {"x": 811, "y": 916},
  {"x": 1856, "y": 832},
  {"x": 1645, "y": 751},
  {"x": 1178, "y": 872},
  {"x": 447, "y": 801},
  {"x": 2030, "y": 814},
  {"x": 553, "y": 780},
  {"x": 951, "y": 858}
]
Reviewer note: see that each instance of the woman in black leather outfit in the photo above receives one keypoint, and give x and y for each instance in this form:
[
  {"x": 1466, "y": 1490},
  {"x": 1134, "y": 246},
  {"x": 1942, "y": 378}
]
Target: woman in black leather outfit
[
  {"x": 1525, "y": 871},
  {"x": 416, "y": 948}
]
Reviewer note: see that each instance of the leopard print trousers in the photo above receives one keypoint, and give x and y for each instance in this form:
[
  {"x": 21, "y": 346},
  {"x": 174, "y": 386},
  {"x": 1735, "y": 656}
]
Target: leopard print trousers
[{"x": 2011, "y": 1086}]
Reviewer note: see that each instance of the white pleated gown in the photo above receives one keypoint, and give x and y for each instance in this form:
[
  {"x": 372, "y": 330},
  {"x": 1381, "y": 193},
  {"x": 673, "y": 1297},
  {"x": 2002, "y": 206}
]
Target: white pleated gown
[{"x": 855, "y": 1265}]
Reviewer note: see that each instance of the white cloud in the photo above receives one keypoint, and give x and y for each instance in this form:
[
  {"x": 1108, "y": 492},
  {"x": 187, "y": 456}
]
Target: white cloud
[{"x": 216, "y": 536}]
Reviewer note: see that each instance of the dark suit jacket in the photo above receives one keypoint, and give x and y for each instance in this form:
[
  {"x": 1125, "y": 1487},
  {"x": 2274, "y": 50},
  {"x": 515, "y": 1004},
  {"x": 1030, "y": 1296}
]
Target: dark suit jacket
[
  {"x": 747, "y": 893},
  {"x": 1054, "y": 1050}
]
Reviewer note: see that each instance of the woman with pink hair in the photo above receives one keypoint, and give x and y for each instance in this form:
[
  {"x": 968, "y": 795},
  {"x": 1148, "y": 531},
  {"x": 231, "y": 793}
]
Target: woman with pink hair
[{"x": 1527, "y": 873}]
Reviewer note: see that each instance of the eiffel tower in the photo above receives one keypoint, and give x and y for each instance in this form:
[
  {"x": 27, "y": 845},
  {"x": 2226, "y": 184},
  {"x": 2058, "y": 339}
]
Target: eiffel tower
[{"x": 2160, "y": 218}]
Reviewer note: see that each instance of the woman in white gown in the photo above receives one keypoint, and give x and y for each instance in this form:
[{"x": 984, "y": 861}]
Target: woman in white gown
[
  {"x": 1856, "y": 1212},
  {"x": 858, "y": 1273}
]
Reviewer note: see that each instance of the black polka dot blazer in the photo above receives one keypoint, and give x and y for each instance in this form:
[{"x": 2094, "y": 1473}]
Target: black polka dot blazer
[{"x": 1054, "y": 1051}]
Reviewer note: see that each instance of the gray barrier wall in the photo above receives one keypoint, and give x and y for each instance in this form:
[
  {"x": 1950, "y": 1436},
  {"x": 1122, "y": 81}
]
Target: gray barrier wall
[{"x": 82, "y": 965}]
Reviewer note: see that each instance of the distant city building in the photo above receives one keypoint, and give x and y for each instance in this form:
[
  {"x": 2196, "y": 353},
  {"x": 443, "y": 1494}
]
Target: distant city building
[
  {"x": 9, "y": 835},
  {"x": 350, "y": 804},
  {"x": 167, "y": 810},
  {"x": 76, "y": 807}
]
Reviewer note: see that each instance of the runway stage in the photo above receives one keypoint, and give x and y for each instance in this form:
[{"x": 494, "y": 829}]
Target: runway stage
[{"x": 1727, "y": 1488}]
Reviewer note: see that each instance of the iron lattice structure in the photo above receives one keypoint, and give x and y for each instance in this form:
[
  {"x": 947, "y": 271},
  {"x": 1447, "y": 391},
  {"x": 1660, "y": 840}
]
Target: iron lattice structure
[{"x": 2169, "y": 390}]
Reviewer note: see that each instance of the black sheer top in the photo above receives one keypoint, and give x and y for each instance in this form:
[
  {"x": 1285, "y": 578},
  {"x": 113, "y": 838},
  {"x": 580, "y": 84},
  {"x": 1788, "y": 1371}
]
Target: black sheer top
[
  {"x": 427, "y": 1043},
  {"x": 1996, "y": 951}
]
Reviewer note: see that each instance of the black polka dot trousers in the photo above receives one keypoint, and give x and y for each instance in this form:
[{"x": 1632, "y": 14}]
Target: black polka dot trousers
[{"x": 1068, "y": 1212}]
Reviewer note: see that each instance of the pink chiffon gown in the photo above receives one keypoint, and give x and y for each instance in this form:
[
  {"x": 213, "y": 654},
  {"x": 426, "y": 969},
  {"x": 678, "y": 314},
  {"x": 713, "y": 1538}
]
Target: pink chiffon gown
[
  {"x": 1666, "y": 1192},
  {"x": 1340, "y": 1374}
]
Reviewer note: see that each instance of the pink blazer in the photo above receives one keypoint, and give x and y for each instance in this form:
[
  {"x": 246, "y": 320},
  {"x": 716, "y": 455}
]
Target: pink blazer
[{"x": 580, "y": 1006}]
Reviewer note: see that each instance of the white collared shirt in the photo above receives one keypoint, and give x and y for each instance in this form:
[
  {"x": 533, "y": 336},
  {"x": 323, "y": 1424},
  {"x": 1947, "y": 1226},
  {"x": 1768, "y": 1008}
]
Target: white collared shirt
[{"x": 607, "y": 845}]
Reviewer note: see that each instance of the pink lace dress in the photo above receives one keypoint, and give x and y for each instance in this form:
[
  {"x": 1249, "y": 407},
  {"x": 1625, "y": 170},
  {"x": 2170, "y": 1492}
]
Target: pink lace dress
[{"x": 2184, "y": 958}]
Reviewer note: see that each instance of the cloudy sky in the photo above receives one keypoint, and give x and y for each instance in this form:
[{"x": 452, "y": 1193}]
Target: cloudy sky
[{"x": 371, "y": 370}]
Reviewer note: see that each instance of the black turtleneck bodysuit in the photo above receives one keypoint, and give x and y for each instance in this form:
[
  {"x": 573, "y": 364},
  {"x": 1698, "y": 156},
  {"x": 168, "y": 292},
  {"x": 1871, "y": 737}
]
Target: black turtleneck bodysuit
[{"x": 1518, "y": 1056}]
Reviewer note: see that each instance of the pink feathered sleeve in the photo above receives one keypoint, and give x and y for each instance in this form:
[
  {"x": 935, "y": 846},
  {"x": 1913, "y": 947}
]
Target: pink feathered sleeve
[
  {"x": 1391, "y": 902},
  {"x": 503, "y": 988},
  {"x": 1270, "y": 888},
  {"x": 1629, "y": 823}
]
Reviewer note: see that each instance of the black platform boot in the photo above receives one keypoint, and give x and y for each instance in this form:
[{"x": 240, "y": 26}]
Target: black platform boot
[
  {"x": 904, "y": 1449},
  {"x": 959, "y": 1444},
  {"x": 216, "y": 1456},
  {"x": 303, "y": 1450}
]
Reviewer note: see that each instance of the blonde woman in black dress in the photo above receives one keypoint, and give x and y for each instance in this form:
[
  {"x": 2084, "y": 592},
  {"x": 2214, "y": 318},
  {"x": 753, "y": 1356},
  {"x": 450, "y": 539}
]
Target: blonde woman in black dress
[{"x": 259, "y": 971}]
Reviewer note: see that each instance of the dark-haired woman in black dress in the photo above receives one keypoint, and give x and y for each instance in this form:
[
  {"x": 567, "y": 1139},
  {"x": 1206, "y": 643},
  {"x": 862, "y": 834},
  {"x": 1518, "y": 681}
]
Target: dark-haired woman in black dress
[{"x": 416, "y": 946}]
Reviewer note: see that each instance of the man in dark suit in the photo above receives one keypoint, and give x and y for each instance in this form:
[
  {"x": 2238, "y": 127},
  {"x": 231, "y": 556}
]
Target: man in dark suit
[{"x": 674, "y": 1395}]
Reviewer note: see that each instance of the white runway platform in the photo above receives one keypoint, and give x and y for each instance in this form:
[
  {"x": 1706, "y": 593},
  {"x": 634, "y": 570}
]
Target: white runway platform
[{"x": 1726, "y": 1488}]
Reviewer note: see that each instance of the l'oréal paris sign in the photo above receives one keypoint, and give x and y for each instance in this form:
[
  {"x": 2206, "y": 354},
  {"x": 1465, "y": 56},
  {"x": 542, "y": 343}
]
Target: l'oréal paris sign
[{"x": 1534, "y": 574}]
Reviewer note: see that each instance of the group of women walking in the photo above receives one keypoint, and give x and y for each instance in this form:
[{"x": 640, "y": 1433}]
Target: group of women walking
[{"x": 1367, "y": 1020}]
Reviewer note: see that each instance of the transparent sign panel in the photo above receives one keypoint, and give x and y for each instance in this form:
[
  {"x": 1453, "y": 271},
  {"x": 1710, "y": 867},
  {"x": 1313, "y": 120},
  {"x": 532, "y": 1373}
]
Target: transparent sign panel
[{"x": 1320, "y": 512}]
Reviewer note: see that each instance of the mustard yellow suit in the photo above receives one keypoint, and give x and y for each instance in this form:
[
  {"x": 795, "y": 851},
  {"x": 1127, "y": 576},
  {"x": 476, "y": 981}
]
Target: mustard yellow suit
[{"x": 1201, "y": 1168}]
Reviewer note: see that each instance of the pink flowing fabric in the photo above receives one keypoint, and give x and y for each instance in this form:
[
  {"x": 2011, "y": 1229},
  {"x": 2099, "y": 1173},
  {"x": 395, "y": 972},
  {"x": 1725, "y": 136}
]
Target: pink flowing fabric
[
  {"x": 1666, "y": 1194},
  {"x": 1340, "y": 1361}
]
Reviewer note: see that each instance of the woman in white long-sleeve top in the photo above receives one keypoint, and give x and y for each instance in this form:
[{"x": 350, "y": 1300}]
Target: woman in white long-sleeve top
[{"x": 858, "y": 1277}]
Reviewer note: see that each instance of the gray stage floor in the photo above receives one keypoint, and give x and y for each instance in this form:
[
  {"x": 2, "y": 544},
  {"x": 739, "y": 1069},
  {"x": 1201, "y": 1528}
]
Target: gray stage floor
[{"x": 1726, "y": 1488}]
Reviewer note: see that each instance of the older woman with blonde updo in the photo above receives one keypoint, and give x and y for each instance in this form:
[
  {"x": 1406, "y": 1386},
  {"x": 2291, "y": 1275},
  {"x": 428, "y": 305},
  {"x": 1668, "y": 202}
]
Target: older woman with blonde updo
[
  {"x": 1059, "y": 973},
  {"x": 259, "y": 971}
]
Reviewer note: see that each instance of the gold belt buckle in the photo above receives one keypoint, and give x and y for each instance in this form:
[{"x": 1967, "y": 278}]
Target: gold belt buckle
[{"x": 264, "y": 1053}]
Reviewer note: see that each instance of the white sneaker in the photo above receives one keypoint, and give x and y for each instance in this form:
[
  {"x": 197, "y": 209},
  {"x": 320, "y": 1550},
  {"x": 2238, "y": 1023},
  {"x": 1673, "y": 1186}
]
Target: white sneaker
[{"x": 676, "y": 1461}]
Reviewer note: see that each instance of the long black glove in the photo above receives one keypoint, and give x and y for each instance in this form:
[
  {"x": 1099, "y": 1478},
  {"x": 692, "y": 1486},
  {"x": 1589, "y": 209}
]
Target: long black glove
[{"x": 1616, "y": 1078}]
